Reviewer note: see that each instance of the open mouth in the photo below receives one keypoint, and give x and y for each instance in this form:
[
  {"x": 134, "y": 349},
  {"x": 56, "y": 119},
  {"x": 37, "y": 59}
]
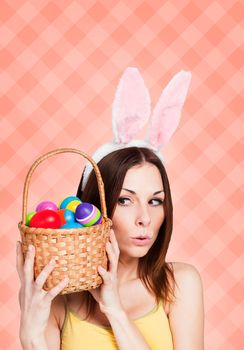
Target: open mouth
[
  {"x": 141, "y": 240},
  {"x": 141, "y": 237}
]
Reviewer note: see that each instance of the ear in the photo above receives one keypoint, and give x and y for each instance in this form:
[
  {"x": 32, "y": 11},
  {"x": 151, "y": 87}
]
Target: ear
[
  {"x": 166, "y": 114},
  {"x": 131, "y": 106}
]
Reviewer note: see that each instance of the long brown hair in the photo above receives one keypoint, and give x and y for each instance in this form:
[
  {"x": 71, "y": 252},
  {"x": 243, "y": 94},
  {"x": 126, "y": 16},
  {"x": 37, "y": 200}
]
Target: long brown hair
[{"x": 156, "y": 274}]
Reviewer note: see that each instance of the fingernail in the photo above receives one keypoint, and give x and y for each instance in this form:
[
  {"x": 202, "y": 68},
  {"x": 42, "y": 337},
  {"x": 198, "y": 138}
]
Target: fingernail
[
  {"x": 66, "y": 280},
  {"x": 30, "y": 248},
  {"x": 53, "y": 261}
]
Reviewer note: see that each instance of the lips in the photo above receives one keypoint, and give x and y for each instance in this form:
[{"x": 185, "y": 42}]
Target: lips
[{"x": 141, "y": 240}]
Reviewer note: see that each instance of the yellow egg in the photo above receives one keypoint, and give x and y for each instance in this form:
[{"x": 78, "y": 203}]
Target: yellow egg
[{"x": 73, "y": 205}]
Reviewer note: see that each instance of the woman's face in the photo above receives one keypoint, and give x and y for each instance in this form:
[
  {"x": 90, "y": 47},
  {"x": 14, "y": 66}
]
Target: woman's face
[{"x": 139, "y": 212}]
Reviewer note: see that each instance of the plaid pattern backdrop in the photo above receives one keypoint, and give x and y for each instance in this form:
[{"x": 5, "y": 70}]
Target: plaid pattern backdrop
[{"x": 60, "y": 63}]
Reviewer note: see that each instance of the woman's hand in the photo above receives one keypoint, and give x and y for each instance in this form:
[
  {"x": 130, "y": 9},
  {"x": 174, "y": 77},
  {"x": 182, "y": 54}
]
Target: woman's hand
[
  {"x": 106, "y": 294},
  {"x": 35, "y": 302}
]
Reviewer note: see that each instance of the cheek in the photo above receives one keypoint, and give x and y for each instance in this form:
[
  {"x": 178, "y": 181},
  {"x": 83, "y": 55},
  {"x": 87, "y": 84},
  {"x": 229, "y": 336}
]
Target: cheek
[
  {"x": 119, "y": 219},
  {"x": 123, "y": 219},
  {"x": 158, "y": 217},
  {"x": 121, "y": 213}
]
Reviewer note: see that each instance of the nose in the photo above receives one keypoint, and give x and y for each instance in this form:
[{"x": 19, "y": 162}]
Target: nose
[{"x": 143, "y": 219}]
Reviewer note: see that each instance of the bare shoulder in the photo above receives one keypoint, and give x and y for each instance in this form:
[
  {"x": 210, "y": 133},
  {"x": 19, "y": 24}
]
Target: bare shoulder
[
  {"x": 58, "y": 310},
  {"x": 187, "y": 282},
  {"x": 189, "y": 285},
  {"x": 188, "y": 332},
  {"x": 58, "y": 307},
  {"x": 185, "y": 273},
  {"x": 52, "y": 332}
]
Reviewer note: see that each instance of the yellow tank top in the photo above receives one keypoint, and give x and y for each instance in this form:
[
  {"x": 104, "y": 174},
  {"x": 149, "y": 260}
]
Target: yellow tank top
[{"x": 78, "y": 334}]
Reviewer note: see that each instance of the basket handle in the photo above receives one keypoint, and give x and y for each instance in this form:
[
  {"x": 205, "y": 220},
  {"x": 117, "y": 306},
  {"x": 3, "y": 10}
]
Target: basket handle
[{"x": 52, "y": 153}]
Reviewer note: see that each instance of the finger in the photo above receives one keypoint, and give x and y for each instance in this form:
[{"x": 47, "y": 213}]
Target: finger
[
  {"x": 104, "y": 274},
  {"x": 19, "y": 260},
  {"x": 56, "y": 290},
  {"x": 43, "y": 275},
  {"x": 114, "y": 245},
  {"x": 113, "y": 259},
  {"x": 29, "y": 265},
  {"x": 114, "y": 242}
]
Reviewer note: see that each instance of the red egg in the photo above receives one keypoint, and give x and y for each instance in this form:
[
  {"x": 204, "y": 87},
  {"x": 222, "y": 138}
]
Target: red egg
[
  {"x": 46, "y": 219},
  {"x": 61, "y": 215}
]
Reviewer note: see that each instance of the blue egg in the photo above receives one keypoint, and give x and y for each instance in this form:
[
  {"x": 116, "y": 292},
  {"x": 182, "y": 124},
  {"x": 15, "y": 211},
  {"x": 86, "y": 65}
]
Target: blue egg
[
  {"x": 72, "y": 225},
  {"x": 63, "y": 204},
  {"x": 69, "y": 216}
]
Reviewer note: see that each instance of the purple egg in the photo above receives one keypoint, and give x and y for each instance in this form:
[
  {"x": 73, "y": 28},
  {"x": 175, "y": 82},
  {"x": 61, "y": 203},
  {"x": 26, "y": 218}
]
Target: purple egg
[
  {"x": 46, "y": 205},
  {"x": 87, "y": 214},
  {"x": 99, "y": 221}
]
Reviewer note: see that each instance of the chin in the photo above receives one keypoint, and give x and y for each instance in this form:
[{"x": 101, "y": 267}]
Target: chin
[{"x": 136, "y": 252}]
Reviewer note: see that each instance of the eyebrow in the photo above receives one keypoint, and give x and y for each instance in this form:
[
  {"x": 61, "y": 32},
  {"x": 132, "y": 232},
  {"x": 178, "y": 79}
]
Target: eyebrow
[{"x": 133, "y": 192}]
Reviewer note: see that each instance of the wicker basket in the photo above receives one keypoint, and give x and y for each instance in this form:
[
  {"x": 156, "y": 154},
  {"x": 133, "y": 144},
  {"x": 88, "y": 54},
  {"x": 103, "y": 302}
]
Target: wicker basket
[{"x": 78, "y": 252}]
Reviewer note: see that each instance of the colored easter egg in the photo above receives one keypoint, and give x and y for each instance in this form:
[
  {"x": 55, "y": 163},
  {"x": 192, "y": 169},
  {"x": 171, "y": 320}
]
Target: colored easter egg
[
  {"x": 61, "y": 215},
  {"x": 69, "y": 216},
  {"x": 46, "y": 219},
  {"x": 72, "y": 225},
  {"x": 87, "y": 214},
  {"x": 99, "y": 221},
  {"x": 28, "y": 217},
  {"x": 46, "y": 205},
  {"x": 64, "y": 202},
  {"x": 73, "y": 205},
  {"x": 66, "y": 216}
]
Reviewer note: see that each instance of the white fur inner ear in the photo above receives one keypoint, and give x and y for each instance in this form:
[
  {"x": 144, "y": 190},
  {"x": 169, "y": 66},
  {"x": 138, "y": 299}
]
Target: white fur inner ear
[
  {"x": 131, "y": 106},
  {"x": 166, "y": 114}
]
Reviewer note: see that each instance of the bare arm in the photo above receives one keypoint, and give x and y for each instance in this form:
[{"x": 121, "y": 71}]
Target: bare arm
[
  {"x": 48, "y": 341},
  {"x": 38, "y": 327},
  {"x": 187, "y": 312}
]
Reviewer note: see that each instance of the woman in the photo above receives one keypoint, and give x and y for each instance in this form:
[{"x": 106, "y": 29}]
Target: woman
[{"x": 144, "y": 302}]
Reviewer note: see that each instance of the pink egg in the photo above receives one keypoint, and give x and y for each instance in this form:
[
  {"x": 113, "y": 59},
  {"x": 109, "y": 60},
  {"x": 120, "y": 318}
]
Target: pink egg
[{"x": 46, "y": 205}]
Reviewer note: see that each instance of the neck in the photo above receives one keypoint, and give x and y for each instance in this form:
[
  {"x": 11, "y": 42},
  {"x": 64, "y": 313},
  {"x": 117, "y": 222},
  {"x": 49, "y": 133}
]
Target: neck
[{"x": 127, "y": 269}]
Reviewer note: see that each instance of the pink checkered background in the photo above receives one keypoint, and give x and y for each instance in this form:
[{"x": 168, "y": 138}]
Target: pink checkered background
[{"x": 60, "y": 62}]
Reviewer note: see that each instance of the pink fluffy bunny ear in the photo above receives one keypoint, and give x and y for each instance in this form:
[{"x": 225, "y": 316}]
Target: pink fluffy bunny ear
[
  {"x": 131, "y": 106},
  {"x": 166, "y": 114}
]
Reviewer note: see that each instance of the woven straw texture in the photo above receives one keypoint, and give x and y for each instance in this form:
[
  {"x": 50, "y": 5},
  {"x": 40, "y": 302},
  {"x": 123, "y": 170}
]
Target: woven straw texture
[{"x": 77, "y": 252}]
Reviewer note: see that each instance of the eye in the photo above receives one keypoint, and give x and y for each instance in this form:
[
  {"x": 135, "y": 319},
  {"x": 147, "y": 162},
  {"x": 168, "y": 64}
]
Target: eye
[
  {"x": 124, "y": 201},
  {"x": 156, "y": 201}
]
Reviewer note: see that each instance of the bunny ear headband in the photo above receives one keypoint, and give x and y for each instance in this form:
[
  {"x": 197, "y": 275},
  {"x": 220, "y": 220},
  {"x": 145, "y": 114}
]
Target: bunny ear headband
[{"x": 131, "y": 111}]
